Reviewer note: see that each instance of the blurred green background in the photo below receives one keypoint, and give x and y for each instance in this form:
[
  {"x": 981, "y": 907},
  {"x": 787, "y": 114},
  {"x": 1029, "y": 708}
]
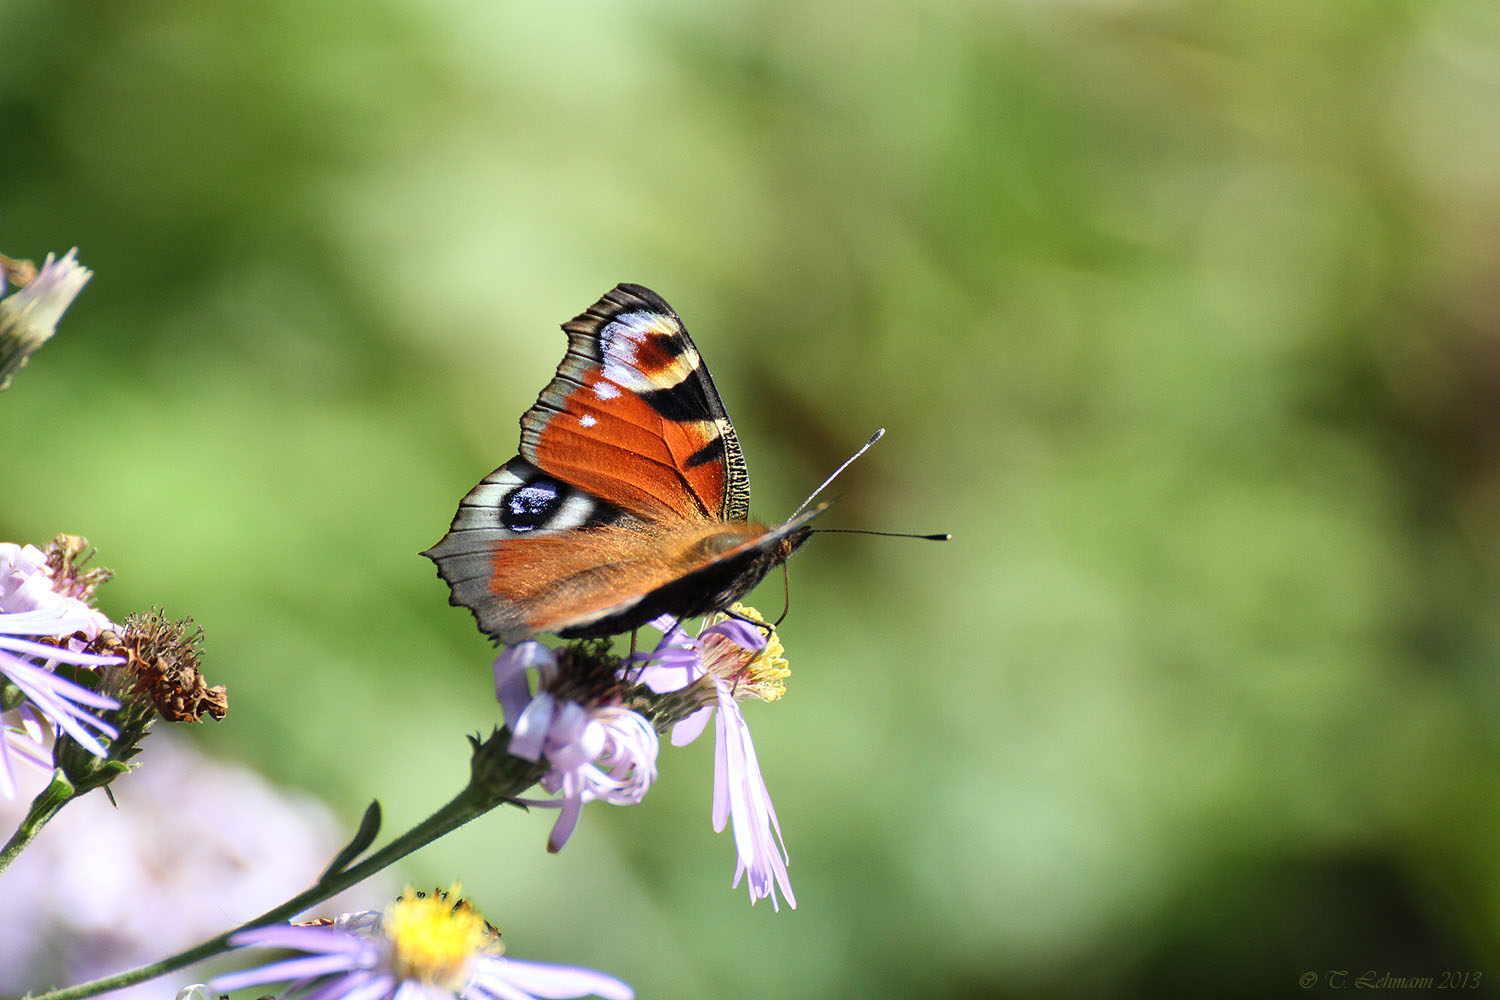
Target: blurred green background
[{"x": 1182, "y": 318}]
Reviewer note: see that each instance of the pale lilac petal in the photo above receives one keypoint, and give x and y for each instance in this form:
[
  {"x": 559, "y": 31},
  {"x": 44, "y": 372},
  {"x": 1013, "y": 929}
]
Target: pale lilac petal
[
  {"x": 742, "y": 634},
  {"x": 301, "y": 967},
  {"x": 23, "y": 739},
  {"x": 20, "y": 593},
  {"x": 760, "y": 794},
  {"x": 61, "y": 685},
  {"x": 574, "y": 737},
  {"x": 339, "y": 987},
  {"x": 757, "y": 832},
  {"x": 721, "y": 804},
  {"x": 608, "y": 754},
  {"x": 29, "y": 724},
  {"x": 674, "y": 671},
  {"x": 8, "y": 786},
  {"x": 553, "y": 982},
  {"x": 17, "y": 562},
  {"x": 49, "y": 620},
  {"x": 29, "y": 751},
  {"x": 27, "y": 590},
  {"x": 375, "y": 988},
  {"x": 42, "y": 651},
  {"x": 692, "y": 727},
  {"x": 31, "y": 607},
  {"x": 54, "y": 695},
  {"x": 570, "y": 807},
  {"x": 625, "y": 768},
  {"x": 50, "y": 693},
  {"x": 511, "y": 687},
  {"x": 494, "y": 990},
  {"x": 406, "y": 989},
  {"x": 318, "y": 939},
  {"x": 529, "y": 733},
  {"x": 671, "y": 666}
]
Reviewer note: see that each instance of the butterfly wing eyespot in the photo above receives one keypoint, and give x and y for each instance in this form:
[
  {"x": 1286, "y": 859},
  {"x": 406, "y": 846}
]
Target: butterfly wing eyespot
[{"x": 629, "y": 499}]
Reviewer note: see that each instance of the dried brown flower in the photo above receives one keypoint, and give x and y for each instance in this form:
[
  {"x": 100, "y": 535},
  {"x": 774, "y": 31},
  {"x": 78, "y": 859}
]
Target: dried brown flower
[{"x": 161, "y": 660}]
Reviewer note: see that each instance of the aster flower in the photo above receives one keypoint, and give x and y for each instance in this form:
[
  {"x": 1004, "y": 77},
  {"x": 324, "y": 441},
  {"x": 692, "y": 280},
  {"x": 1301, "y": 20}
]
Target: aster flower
[
  {"x": 41, "y": 626},
  {"x": 730, "y": 660},
  {"x": 29, "y": 317},
  {"x": 421, "y": 947},
  {"x": 596, "y": 748}
]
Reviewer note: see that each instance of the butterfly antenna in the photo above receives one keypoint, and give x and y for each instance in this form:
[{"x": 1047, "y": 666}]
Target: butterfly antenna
[
  {"x": 847, "y": 462},
  {"x": 941, "y": 536}
]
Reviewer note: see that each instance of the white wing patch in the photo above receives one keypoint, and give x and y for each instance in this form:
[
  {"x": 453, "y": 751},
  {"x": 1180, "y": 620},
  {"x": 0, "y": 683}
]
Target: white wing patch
[{"x": 619, "y": 347}]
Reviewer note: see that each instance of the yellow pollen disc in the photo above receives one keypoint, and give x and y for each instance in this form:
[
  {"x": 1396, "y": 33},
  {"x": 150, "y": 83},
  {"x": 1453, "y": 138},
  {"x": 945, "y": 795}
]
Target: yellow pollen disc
[
  {"x": 753, "y": 675},
  {"x": 435, "y": 939}
]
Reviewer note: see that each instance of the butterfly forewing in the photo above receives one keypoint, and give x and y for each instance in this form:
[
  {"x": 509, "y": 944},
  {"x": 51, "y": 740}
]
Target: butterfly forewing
[{"x": 633, "y": 415}]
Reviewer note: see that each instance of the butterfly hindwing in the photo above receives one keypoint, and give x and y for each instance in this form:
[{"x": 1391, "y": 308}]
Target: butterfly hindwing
[{"x": 510, "y": 509}]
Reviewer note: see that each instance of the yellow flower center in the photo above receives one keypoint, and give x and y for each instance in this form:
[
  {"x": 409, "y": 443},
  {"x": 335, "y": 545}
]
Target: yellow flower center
[
  {"x": 435, "y": 939},
  {"x": 752, "y": 675}
]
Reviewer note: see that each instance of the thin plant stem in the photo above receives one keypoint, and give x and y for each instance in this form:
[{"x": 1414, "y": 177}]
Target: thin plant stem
[{"x": 46, "y": 805}]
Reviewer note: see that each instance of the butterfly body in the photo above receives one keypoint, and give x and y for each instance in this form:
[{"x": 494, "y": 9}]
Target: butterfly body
[{"x": 629, "y": 499}]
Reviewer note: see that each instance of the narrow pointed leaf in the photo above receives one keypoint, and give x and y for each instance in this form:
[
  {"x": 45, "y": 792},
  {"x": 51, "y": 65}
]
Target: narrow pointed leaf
[{"x": 369, "y": 826}]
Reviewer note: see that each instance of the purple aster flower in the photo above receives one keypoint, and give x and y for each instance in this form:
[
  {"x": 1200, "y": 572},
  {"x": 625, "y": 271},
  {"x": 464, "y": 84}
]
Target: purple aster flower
[
  {"x": 29, "y": 317},
  {"x": 595, "y": 750},
  {"x": 32, "y": 608},
  {"x": 739, "y": 661},
  {"x": 422, "y": 947}
]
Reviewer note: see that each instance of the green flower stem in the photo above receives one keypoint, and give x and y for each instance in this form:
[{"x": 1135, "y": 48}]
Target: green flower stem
[
  {"x": 43, "y": 808},
  {"x": 492, "y": 783}
]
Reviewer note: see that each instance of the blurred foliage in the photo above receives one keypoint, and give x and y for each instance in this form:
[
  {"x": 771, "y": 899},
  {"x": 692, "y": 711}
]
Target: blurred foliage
[{"x": 1182, "y": 318}]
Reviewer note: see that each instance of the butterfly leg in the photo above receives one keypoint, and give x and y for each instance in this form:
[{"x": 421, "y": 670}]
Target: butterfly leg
[{"x": 786, "y": 595}]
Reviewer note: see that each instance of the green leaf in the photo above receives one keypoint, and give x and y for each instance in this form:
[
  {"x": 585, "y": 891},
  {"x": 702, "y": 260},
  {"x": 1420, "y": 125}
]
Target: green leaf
[{"x": 369, "y": 826}]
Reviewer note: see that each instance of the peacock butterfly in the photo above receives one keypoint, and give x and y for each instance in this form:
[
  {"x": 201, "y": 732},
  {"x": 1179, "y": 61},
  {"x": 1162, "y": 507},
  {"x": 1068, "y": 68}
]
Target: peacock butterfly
[{"x": 630, "y": 497}]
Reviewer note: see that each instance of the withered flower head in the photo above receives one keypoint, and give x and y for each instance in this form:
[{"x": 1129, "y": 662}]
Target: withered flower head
[
  {"x": 161, "y": 661},
  {"x": 66, "y": 555}
]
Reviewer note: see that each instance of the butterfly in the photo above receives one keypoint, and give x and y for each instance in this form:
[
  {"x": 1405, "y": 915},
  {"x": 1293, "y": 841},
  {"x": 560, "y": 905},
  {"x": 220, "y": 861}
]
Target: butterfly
[{"x": 629, "y": 499}]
